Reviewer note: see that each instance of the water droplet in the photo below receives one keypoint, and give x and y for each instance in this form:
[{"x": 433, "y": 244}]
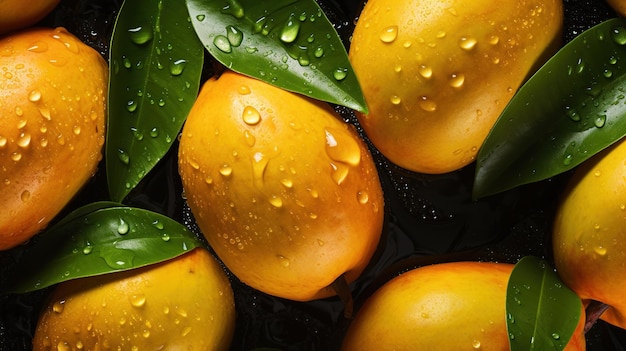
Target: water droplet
[
  {"x": 154, "y": 132},
  {"x": 140, "y": 35},
  {"x": 284, "y": 261},
  {"x": 250, "y": 139},
  {"x": 222, "y": 43},
  {"x": 467, "y": 43},
  {"x": 494, "y": 39},
  {"x": 318, "y": 52},
  {"x": 607, "y": 73},
  {"x": 123, "y": 227},
  {"x": 226, "y": 170},
  {"x": 556, "y": 336},
  {"x": 177, "y": 67},
  {"x": 58, "y": 306},
  {"x": 287, "y": 183},
  {"x": 619, "y": 35},
  {"x": 25, "y": 196},
  {"x": 290, "y": 30},
  {"x": 457, "y": 80},
  {"x": 137, "y": 300},
  {"x": 427, "y": 105},
  {"x": 38, "y": 46},
  {"x": 259, "y": 164},
  {"x": 87, "y": 249},
  {"x": 276, "y": 201},
  {"x": 123, "y": 156},
  {"x": 34, "y": 96},
  {"x": 340, "y": 73},
  {"x": 395, "y": 99},
  {"x": 16, "y": 156},
  {"x": 251, "y": 116},
  {"x": 363, "y": 197},
  {"x": 600, "y": 121},
  {"x": 425, "y": 71},
  {"x": 234, "y": 36},
  {"x": 341, "y": 147},
  {"x": 573, "y": 115},
  {"x": 131, "y": 106},
  {"x": 158, "y": 224},
  {"x": 600, "y": 250},
  {"x": 234, "y": 9},
  {"x": 389, "y": 34},
  {"x": 476, "y": 344},
  {"x": 200, "y": 17},
  {"x": 24, "y": 140}
]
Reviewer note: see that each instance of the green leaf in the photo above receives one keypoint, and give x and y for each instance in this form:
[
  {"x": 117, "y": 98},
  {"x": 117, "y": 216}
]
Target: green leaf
[
  {"x": 542, "y": 313},
  {"x": 570, "y": 109},
  {"x": 288, "y": 43},
  {"x": 155, "y": 68},
  {"x": 98, "y": 239}
]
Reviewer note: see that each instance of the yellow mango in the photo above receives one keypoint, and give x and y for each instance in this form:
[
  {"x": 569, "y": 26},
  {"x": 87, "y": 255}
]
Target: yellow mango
[
  {"x": 286, "y": 192},
  {"x": 437, "y": 74},
  {"x": 443, "y": 307},
  {"x": 185, "y": 303},
  {"x": 589, "y": 234},
  {"x": 53, "y": 92}
]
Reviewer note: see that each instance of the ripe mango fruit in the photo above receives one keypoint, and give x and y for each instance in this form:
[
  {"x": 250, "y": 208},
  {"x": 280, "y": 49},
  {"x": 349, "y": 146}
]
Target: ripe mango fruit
[
  {"x": 185, "y": 303},
  {"x": 590, "y": 230},
  {"x": 17, "y": 14},
  {"x": 53, "y": 107},
  {"x": 444, "y": 307},
  {"x": 285, "y": 192},
  {"x": 437, "y": 74}
]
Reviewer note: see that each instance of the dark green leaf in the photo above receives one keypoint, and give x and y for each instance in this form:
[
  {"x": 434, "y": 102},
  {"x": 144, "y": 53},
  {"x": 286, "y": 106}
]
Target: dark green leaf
[
  {"x": 542, "y": 313},
  {"x": 99, "y": 239},
  {"x": 155, "y": 68},
  {"x": 287, "y": 43},
  {"x": 573, "y": 107}
]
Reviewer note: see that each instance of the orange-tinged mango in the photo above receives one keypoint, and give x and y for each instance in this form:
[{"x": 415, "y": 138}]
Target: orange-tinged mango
[
  {"x": 286, "y": 192},
  {"x": 53, "y": 104},
  {"x": 437, "y": 74},
  {"x": 444, "y": 307},
  {"x": 589, "y": 234},
  {"x": 18, "y": 14},
  {"x": 185, "y": 303}
]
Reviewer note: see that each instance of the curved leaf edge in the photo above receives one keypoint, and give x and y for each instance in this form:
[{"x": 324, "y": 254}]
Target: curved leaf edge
[{"x": 26, "y": 274}]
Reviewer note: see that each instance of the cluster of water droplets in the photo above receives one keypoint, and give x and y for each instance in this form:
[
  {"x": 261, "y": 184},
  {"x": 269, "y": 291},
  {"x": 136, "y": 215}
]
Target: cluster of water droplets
[
  {"x": 134, "y": 316},
  {"x": 149, "y": 37},
  {"x": 577, "y": 112},
  {"x": 306, "y": 50}
]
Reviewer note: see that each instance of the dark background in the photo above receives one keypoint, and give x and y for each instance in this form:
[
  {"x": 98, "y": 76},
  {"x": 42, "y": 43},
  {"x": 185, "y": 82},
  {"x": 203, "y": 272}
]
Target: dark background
[{"x": 429, "y": 218}]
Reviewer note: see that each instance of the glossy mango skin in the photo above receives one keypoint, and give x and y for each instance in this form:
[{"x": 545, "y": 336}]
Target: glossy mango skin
[
  {"x": 589, "y": 233},
  {"x": 443, "y": 307},
  {"x": 437, "y": 74},
  {"x": 53, "y": 107},
  {"x": 286, "y": 192},
  {"x": 18, "y": 14},
  {"x": 185, "y": 303}
]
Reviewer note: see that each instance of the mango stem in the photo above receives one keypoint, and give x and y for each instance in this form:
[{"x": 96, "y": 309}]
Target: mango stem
[
  {"x": 594, "y": 310},
  {"x": 342, "y": 289}
]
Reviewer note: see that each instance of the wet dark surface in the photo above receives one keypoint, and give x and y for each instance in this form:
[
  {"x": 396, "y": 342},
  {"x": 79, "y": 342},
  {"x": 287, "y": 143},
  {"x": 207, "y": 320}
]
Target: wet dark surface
[{"x": 429, "y": 218}]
